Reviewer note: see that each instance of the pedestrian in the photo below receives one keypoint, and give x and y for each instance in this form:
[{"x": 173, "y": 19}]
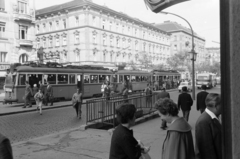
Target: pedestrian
[
  {"x": 123, "y": 143},
  {"x": 27, "y": 96},
  {"x": 178, "y": 143},
  {"x": 49, "y": 94},
  {"x": 185, "y": 102},
  {"x": 102, "y": 88},
  {"x": 5, "y": 148},
  {"x": 163, "y": 94},
  {"x": 35, "y": 89},
  {"x": 155, "y": 85},
  {"x": 77, "y": 103},
  {"x": 201, "y": 96},
  {"x": 164, "y": 85},
  {"x": 39, "y": 100},
  {"x": 148, "y": 93},
  {"x": 208, "y": 136},
  {"x": 41, "y": 86},
  {"x": 107, "y": 91}
]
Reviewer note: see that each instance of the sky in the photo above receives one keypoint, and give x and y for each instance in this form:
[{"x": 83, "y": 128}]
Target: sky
[{"x": 203, "y": 15}]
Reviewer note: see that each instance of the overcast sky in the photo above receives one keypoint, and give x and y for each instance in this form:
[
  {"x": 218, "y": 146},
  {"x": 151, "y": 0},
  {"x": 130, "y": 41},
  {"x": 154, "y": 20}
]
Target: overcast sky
[{"x": 203, "y": 15}]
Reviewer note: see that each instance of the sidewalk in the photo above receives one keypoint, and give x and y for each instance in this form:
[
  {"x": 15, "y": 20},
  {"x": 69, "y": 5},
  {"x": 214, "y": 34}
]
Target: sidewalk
[
  {"x": 15, "y": 108},
  {"x": 91, "y": 143}
]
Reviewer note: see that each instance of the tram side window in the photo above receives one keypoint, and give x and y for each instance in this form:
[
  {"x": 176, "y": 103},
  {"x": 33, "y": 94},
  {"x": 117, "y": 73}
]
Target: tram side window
[
  {"x": 21, "y": 79},
  {"x": 93, "y": 78},
  {"x": 51, "y": 78},
  {"x": 102, "y": 78},
  {"x": 114, "y": 78},
  {"x": 34, "y": 79},
  {"x": 120, "y": 78},
  {"x": 138, "y": 78},
  {"x": 86, "y": 79},
  {"x": 72, "y": 79},
  {"x": 133, "y": 78},
  {"x": 108, "y": 78},
  {"x": 127, "y": 78},
  {"x": 62, "y": 79}
]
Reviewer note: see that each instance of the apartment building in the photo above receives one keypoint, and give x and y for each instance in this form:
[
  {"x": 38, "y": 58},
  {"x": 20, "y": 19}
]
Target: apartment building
[{"x": 81, "y": 32}]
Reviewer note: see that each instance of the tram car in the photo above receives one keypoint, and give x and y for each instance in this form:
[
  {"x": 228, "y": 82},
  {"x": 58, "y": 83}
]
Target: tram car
[{"x": 64, "y": 80}]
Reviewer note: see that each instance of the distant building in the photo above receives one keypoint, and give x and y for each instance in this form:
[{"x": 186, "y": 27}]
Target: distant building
[
  {"x": 81, "y": 32},
  {"x": 213, "y": 54},
  {"x": 17, "y": 32},
  {"x": 181, "y": 39}
]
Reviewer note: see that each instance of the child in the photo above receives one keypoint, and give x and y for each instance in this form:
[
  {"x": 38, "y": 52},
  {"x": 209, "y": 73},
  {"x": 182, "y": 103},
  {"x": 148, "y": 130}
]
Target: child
[{"x": 39, "y": 99}]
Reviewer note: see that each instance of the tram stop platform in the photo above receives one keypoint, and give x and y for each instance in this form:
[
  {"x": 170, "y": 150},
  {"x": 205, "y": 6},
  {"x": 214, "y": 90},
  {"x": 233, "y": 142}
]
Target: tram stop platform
[{"x": 15, "y": 108}]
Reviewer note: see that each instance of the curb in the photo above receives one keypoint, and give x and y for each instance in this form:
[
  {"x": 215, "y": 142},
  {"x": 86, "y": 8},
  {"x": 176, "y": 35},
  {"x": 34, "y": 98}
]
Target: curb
[{"x": 31, "y": 110}]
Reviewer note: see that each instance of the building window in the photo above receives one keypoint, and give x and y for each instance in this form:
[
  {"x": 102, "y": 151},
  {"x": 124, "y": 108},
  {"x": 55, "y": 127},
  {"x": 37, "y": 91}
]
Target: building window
[
  {"x": 23, "y": 58},
  {"x": 64, "y": 24},
  {"x": 123, "y": 29},
  {"x": 44, "y": 43},
  {"x": 123, "y": 44},
  {"x": 104, "y": 41},
  {"x": 2, "y": 30},
  {"x": 22, "y": 7},
  {"x": 94, "y": 20},
  {"x": 111, "y": 42},
  {"x": 77, "y": 21},
  {"x": 104, "y": 57},
  {"x": 110, "y": 26},
  {"x": 136, "y": 31},
  {"x": 111, "y": 57},
  {"x": 77, "y": 55},
  {"x": 94, "y": 55},
  {"x": 2, "y": 5},
  {"x": 76, "y": 38},
  {"x": 103, "y": 24},
  {"x": 3, "y": 56},
  {"x": 95, "y": 39},
  {"x": 116, "y": 27},
  {"x": 38, "y": 44},
  {"x": 50, "y": 42},
  {"x": 50, "y": 26},
  {"x": 57, "y": 41},
  {"x": 117, "y": 42},
  {"x": 37, "y": 29},
  {"x": 57, "y": 25},
  {"x": 23, "y": 32},
  {"x": 144, "y": 47},
  {"x": 44, "y": 27},
  {"x": 129, "y": 30},
  {"x": 143, "y": 34},
  {"x": 64, "y": 40}
]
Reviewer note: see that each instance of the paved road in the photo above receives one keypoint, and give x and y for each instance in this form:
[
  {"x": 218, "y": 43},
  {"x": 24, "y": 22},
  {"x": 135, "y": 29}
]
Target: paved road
[{"x": 21, "y": 127}]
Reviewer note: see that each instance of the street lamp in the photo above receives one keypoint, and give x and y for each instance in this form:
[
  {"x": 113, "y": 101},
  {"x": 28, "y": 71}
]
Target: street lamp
[{"x": 192, "y": 52}]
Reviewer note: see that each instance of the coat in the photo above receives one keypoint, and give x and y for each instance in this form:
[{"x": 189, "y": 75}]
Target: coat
[
  {"x": 208, "y": 142},
  {"x": 201, "y": 96},
  {"x": 28, "y": 91},
  {"x": 163, "y": 95},
  {"x": 185, "y": 101},
  {"x": 178, "y": 143},
  {"x": 49, "y": 90},
  {"x": 41, "y": 87},
  {"x": 5, "y": 148}
]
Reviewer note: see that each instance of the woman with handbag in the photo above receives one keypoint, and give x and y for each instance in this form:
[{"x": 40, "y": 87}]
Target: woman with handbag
[{"x": 39, "y": 100}]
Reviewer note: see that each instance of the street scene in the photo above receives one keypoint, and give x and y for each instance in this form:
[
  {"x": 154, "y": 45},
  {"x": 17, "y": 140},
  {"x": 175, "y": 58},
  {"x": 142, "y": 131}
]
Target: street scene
[{"x": 99, "y": 79}]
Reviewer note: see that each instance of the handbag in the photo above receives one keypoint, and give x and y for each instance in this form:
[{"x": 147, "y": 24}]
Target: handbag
[{"x": 158, "y": 5}]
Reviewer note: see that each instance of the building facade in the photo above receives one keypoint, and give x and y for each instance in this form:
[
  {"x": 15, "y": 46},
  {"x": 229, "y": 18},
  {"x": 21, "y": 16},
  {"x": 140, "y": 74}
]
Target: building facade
[
  {"x": 181, "y": 40},
  {"x": 81, "y": 32},
  {"x": 17, "y": 32},
  {"x": 213, "y": 54}
]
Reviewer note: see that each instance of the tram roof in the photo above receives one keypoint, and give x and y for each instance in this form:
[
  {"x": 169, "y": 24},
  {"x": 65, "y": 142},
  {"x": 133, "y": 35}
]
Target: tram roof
[
  {"x": 59, "y": 70},
  {"x": 133, "y": 72},
  {"x": 168, "y": 73}
]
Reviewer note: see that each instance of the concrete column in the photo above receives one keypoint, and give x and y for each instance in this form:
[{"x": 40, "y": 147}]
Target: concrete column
[{"x": 230, "y": 75}]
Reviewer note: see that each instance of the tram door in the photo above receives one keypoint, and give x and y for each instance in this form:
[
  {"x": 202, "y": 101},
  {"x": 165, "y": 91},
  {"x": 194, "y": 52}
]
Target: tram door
[{"x": 80, "y": 83}]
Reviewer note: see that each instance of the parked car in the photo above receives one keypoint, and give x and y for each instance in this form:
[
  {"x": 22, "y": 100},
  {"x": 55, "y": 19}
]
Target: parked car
[{"x": 185, "y": 84}]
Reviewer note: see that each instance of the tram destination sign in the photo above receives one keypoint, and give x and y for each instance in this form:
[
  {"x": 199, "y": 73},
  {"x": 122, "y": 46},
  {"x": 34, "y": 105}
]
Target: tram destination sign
[{"x": 4, "y": 66}]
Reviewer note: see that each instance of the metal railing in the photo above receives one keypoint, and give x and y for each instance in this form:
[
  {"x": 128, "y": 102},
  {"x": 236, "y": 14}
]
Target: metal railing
[{"x": 104, "y": 110}]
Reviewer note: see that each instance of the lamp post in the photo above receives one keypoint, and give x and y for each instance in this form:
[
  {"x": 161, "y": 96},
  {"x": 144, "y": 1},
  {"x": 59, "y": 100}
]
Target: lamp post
[{"x": 193, "y": 58}]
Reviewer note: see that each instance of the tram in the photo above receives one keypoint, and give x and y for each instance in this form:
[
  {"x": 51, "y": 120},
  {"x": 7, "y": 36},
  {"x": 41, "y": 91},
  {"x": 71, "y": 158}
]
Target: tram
[{"x": 65, "y": 80}]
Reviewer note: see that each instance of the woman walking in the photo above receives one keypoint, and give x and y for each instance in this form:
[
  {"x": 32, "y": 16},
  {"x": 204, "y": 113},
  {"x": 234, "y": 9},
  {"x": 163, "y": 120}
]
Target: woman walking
[
  {"x": 39, "y": 99},
  {"x": 77, "y": 103}
]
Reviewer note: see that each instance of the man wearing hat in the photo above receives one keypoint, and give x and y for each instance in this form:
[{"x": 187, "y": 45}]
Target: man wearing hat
[{"x": 201, "y": 96}]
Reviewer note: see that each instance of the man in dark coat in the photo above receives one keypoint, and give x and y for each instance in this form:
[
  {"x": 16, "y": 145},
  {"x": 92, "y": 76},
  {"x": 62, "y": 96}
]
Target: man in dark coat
[
  {"x": 5, "y": 148},
  {"x": 28, "y": 94},
  {"x": 185, "y": 102},
  {"x": 49, "y": 94},
  {"x": 208, "y": 130},
  {"x": 163, "y": 94},
  {"x": 201, "y": 96}
]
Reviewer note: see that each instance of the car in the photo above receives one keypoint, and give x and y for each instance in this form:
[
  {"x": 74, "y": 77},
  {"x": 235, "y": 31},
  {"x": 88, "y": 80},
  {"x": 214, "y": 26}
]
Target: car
[{"x": 185, "y": 84}]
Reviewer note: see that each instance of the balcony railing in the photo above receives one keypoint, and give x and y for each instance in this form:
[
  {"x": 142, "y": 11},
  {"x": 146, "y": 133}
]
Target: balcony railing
[
  {"x": 25, "y": 42},
  {"x": 28, "y": 14}
]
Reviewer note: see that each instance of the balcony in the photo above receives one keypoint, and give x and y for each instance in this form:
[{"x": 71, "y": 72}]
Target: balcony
[
  {"x": 24, "y": 42},
  {"x": 27, "y": 15}
]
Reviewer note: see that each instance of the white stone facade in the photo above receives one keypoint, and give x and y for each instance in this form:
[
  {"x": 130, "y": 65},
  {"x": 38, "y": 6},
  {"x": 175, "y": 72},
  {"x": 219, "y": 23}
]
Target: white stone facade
[
  {"x": 96, "y": 35},
  {"x": 17, "y": 32}
]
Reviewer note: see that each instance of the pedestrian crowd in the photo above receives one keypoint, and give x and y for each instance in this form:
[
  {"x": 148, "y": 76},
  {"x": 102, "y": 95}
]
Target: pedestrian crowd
[{"x": 178, "y": 143}]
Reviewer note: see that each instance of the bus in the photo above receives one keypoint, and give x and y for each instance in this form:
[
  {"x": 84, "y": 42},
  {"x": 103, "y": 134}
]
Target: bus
[{"x": 208, "y": 79}]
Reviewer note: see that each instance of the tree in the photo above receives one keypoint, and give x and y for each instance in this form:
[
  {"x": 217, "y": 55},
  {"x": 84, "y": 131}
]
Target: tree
[
  {"x": 178, "y": 61},
  {"x": 144, "y": 61},
  {"x": 132, "y": 65},
  {"x": 159, "y": 67}
]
